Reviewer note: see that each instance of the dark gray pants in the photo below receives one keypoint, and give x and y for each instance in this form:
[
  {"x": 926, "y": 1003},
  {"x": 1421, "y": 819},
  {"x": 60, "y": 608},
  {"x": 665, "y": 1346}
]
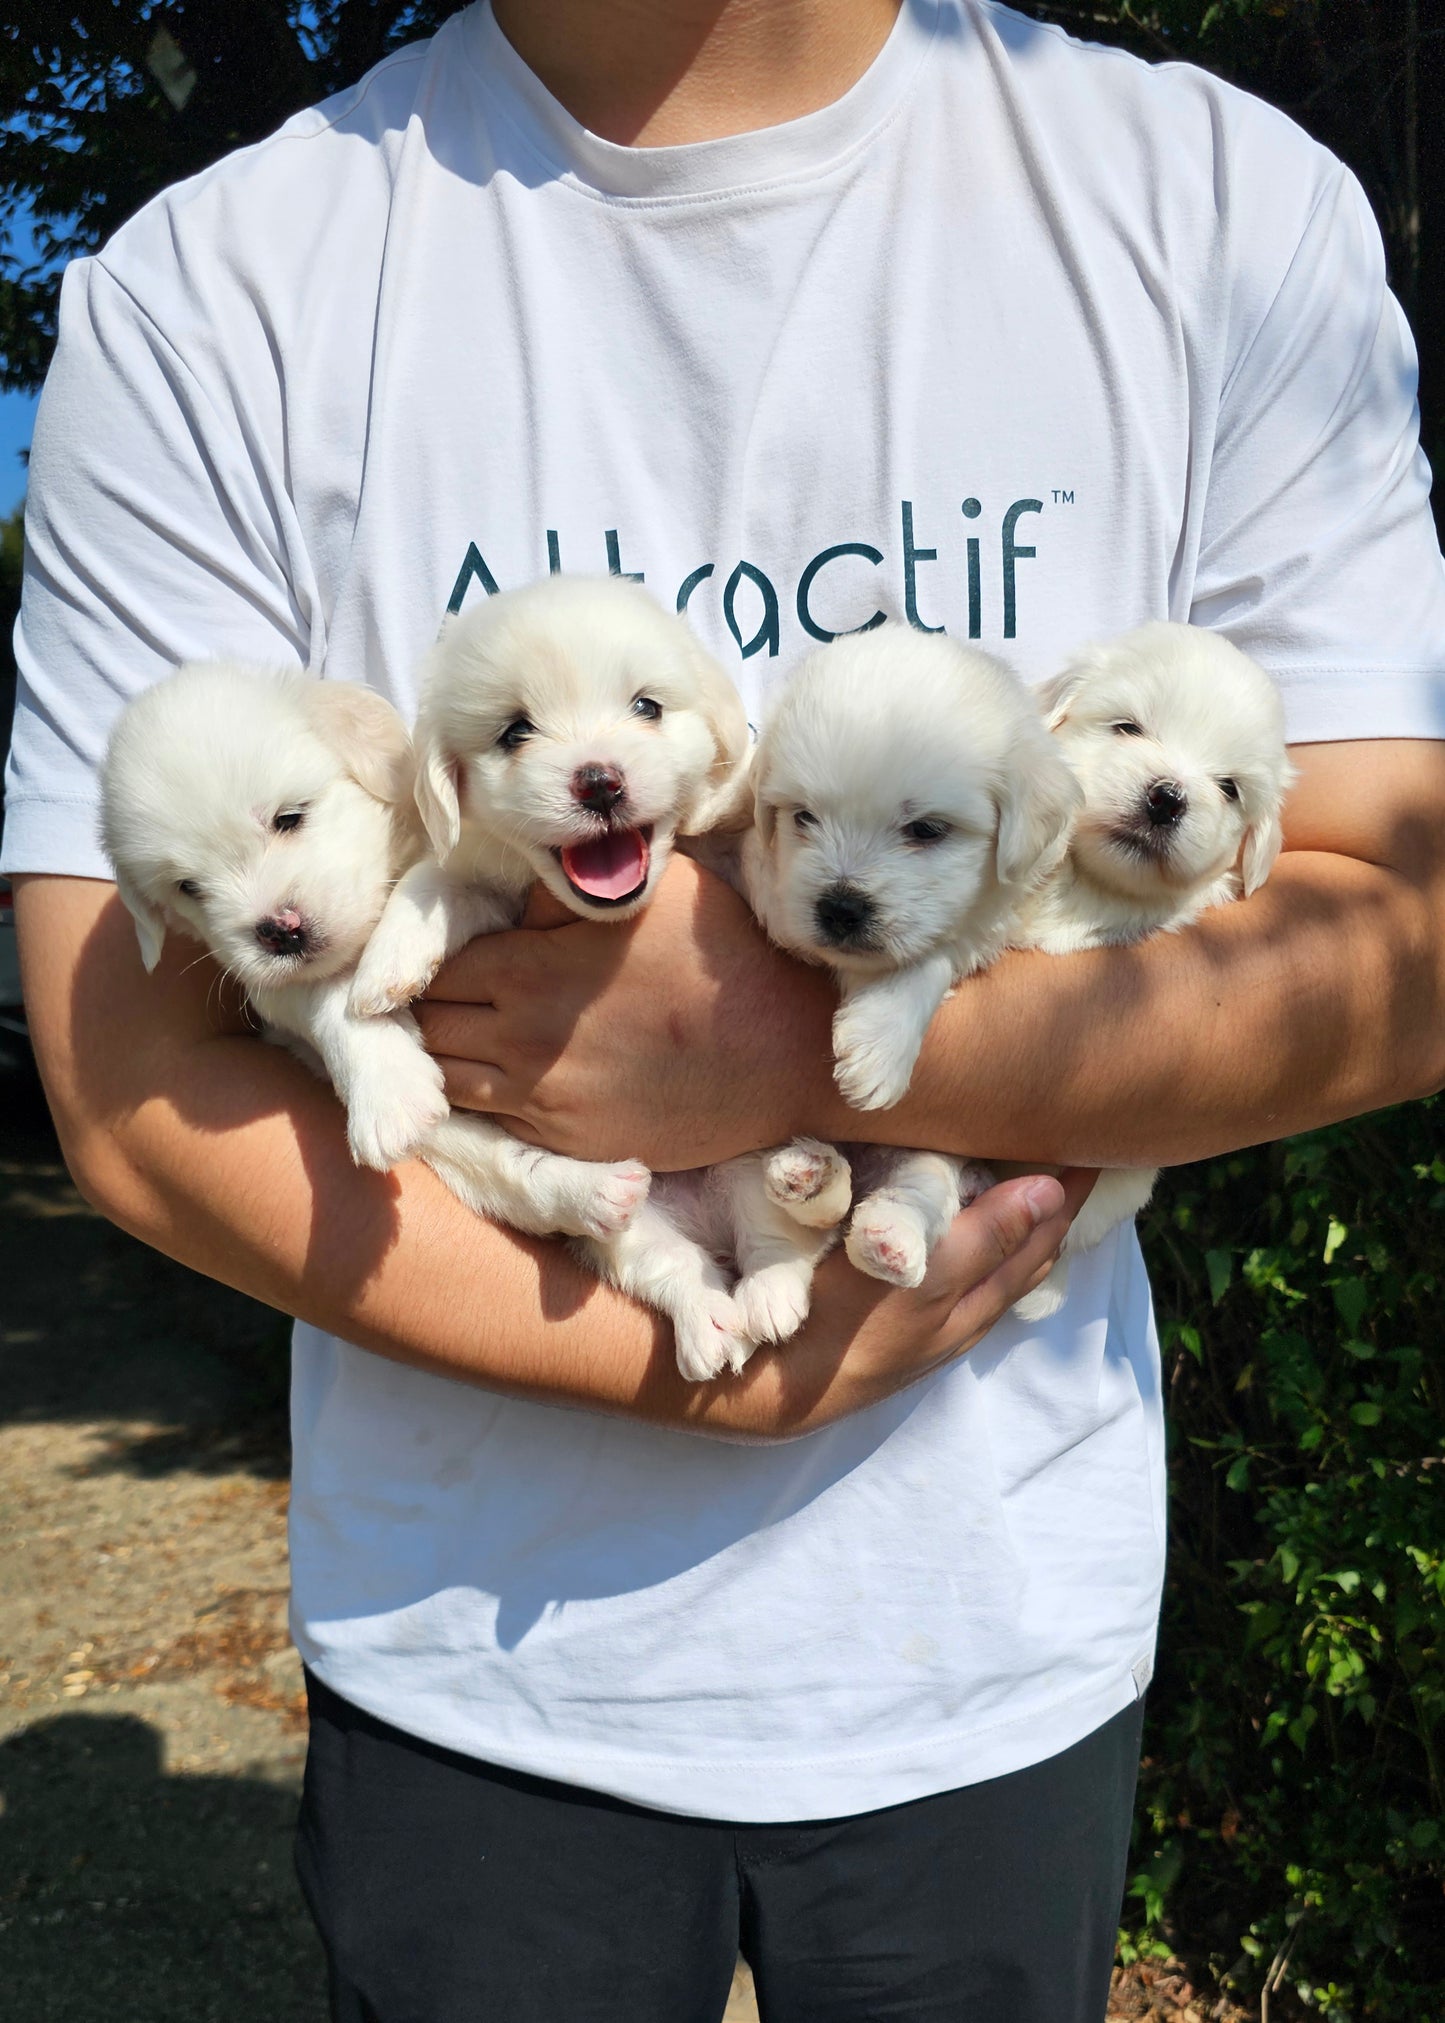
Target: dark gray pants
[{"x": 449, "y": 1891}]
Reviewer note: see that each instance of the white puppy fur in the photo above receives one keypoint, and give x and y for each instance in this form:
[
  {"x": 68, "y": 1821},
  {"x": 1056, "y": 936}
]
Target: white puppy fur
[
  {"x": 568, "y": 733},
  {"x": 267, "y": 816},
  {"x": 1177, "y": 739},
  {"x": 908, "y": 799}
]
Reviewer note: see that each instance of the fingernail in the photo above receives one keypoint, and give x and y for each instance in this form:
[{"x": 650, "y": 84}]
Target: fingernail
[{"x": 1045, "y": 1197}]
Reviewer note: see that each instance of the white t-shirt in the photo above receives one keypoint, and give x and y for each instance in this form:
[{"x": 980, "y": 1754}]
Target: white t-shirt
[{"x": 1020, "y": 337}]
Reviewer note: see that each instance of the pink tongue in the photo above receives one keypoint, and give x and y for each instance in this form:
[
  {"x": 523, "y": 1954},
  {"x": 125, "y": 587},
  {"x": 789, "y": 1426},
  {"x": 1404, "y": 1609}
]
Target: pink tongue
[{"x": 610, "y": 866}]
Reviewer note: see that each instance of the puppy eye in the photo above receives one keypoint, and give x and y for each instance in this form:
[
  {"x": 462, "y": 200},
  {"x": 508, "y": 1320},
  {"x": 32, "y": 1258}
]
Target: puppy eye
[
  {"x": 1229, "y": 790},
  {"x": 1127, "y": 730},
  {"x": 517, "y": 733},
  {"x": 289, "y": 819},
  {"x": 189, "y": 887},
  {"x": 804, "y": 818},
  {"x": 644, "y": 706},
  {"x": 929, "y": 830}
]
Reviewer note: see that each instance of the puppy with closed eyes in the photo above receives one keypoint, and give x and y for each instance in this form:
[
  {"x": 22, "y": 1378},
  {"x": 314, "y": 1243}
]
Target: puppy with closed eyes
[
  {"x": 569, "y": 732},
  {"x": 267, "y": 815},
  {"x": 1177, "y": 741},
  {"x": 908, "y": 800}
]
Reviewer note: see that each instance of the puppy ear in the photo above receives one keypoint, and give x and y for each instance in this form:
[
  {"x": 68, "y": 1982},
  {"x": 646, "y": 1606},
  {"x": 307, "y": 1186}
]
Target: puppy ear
[
  {"x": 438, "y": 793},
  {"x": 1262, "y": 844},
  {"x": 1037, "y": 804},
  {"x": 1056, "y": 697},
  {"x": 723, "y": 799},
  {"x": 366, "y": 734},
  {"x": 150, "y": 922}
]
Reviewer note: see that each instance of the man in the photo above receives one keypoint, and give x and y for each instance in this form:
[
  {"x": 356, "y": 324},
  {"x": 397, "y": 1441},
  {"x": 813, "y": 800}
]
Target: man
[{"x": 802, "y": 312}]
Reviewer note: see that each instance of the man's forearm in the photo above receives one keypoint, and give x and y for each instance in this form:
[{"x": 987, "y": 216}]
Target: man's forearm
[
  {"x": 226, "y": 1154},
  {"x": 1318, "y": 999}
]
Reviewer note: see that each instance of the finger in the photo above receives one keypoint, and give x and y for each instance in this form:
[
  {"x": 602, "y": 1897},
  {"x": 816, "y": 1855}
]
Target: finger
[
  {"x": 468, "y": 977},
  {"x": 545, "y": 909},
  {"x": 1078, "y": 1185},
  {"x": 998, "y": 1240},
  {"x": 478, "y": 1085},
  {"x": 468, "y": 1031}
]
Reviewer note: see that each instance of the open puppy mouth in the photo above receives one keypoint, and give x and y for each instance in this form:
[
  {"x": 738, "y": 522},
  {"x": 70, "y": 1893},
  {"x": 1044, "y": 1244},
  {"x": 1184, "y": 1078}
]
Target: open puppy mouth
[{"x": 609, "y": 869}]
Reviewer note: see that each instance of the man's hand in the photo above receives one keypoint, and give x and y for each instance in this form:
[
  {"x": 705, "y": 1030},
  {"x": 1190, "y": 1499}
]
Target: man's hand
[
  {"x": 681, "y": 1037},
  {"x": 863, "y": 1341}
]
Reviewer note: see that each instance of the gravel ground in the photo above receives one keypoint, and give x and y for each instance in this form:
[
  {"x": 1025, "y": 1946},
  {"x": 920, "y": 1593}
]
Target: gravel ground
[
  {"x": 152, "y": 1721},
  {"x": 152, "y": 1724}
]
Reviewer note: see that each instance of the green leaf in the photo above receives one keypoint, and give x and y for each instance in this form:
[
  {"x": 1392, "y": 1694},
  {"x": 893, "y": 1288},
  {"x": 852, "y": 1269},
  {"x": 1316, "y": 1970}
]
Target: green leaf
[
  {"x": 1334, "y": 1237},
  {"x": 1220, "y": 1266},
  {"x": 1366, "y": 1413},
  {"x": 1238, "y": 1475},
  {"x": 1352, "y": 1296}
]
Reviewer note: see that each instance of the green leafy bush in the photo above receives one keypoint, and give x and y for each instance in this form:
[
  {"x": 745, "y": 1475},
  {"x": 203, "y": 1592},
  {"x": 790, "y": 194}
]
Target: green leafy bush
[{"x": 1291, "y": 1825}]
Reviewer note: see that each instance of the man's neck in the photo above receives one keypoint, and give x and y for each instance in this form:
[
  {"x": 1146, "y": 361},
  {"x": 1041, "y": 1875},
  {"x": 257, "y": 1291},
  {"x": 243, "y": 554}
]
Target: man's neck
[{"x": 658, "y": 73}]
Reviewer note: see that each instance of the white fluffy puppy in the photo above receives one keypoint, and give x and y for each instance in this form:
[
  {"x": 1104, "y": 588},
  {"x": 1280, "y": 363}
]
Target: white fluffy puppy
[
  {"x": 267, "y": 815},
  {"x": 1177, "y": 739},
  {"x": 568, "y": 733},
  {"x": 908, "y": 799}
]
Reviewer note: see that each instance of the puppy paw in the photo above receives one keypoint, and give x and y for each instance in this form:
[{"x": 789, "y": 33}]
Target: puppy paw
[
  {"x": 884, "y": 1241},
  {"x": 869, "y": 1066},
  {"x": 386, "y": 1125},
  {"x": 773, "y": 1303},
  {"x": 709, "y": 1338},
  {"x": 575, "y": 1197},
  {"x": 809, "y": 1181},
  {"x": 374, "y": 994},
  {"x": 618, "y": 1193},
  {"x": 1045, "y": 1300}
]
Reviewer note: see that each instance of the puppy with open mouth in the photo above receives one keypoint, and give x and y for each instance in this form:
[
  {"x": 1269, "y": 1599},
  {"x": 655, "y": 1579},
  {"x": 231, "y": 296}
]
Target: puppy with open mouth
[
  {"x": 569, "y": 732},
  {"x": 1177, "y": 741},
  {"x": 908, "y": 799}
]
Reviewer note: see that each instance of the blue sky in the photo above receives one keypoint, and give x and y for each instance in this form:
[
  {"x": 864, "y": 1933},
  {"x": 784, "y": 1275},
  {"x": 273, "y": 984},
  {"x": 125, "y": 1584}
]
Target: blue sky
[{"x": 17, "y": 416}]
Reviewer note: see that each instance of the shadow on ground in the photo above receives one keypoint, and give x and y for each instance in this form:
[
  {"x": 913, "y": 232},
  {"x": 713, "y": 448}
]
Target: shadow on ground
[
  {"x": 97, "y": 1326},
  {"x": 161, "y": 1897}
]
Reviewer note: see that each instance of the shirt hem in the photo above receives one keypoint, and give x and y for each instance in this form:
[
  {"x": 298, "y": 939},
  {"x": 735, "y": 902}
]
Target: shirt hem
[
  {"x": 1325, "y": 705},
  {"x": 762, "y": 1792},
  {"x": 42, "y": 836}
]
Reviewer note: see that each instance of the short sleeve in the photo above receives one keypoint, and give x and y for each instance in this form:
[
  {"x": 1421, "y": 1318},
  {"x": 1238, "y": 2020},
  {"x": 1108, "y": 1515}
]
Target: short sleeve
[
  {"x": 1318, "y": 553},
  {"x": 155, "y": 534}
]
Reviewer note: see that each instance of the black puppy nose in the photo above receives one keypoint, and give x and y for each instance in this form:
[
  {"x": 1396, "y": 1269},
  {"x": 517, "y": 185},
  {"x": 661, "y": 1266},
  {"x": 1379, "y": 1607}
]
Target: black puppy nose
[
  {"x": 598, "y": 788},
  {"x": 843, "y": 913},
  {"x": 1166, "y": 802},
  {"x": 284, "y": 932}
]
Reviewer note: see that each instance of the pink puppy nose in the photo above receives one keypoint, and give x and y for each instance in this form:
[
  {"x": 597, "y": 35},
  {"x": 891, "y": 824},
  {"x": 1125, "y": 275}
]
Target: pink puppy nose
[{"x": 284, "y": 932}]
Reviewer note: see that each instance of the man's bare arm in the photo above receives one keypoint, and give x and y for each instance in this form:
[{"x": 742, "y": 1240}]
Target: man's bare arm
[
  {"x": 1321, "y": 997},
  {"x": 225, "y": 1153}
]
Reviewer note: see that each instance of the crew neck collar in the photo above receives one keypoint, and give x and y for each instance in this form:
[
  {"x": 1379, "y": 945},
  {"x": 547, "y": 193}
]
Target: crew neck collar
[{"x": 791, "y": 151}]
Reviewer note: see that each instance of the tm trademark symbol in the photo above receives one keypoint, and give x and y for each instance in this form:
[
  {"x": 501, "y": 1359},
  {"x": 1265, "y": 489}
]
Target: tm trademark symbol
[{"x": 1063, "y": 498}]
